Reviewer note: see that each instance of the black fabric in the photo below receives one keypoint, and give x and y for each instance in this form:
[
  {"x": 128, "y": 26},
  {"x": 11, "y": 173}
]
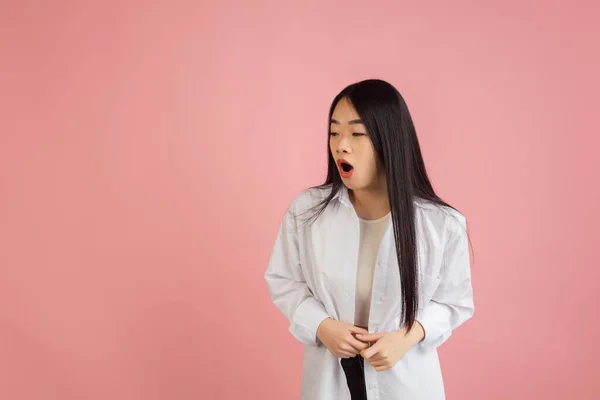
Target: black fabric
[{"x": 354, "y": 368}]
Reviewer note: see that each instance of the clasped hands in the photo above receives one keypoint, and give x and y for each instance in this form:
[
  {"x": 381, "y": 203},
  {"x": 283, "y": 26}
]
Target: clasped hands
[{"x": 381, "y": 350}]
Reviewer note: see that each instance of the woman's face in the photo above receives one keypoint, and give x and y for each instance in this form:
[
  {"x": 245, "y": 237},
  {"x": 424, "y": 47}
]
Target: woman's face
[{"x": 349, "y": 141}]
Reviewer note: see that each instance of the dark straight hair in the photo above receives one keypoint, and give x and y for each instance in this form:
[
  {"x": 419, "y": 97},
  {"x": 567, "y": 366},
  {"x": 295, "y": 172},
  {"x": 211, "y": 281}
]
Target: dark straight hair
[{"x": 389, "y": 125}]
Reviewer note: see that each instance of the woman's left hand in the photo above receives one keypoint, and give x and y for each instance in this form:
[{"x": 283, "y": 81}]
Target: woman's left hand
[{"x": 390, "y": 347}]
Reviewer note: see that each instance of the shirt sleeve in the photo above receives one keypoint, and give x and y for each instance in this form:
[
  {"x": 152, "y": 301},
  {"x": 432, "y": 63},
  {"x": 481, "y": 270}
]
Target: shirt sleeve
[
  {"x": 288, "y": 288},
  {"x": 452, "y": 302}
]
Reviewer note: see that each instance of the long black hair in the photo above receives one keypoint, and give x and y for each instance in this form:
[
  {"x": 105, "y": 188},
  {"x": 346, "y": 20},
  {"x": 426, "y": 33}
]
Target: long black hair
[{"x": 389, "y": 125}]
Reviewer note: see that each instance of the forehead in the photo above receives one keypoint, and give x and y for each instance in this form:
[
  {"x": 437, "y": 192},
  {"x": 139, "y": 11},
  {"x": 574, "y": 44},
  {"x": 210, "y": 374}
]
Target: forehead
[{"x": 344, "y": 111}]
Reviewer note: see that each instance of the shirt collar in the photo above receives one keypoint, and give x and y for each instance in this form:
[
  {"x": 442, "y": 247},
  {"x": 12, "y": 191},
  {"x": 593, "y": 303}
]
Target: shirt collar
[{"x": 343, "y": 196}]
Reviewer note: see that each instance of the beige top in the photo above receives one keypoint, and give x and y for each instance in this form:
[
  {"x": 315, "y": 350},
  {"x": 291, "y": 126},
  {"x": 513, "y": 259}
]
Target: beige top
[{"x": 371, "y": 233}]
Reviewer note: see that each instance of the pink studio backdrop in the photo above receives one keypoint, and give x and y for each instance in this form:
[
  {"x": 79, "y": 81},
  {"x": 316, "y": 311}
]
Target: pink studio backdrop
[{"x": 149, "y": 149}]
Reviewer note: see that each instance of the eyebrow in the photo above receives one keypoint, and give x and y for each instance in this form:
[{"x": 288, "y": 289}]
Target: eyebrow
[{"x": 351, "y": 122}]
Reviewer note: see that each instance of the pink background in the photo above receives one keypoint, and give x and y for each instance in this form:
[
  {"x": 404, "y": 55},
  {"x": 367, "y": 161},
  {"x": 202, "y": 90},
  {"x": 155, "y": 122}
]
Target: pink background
[{"x": 148, "y": 151}]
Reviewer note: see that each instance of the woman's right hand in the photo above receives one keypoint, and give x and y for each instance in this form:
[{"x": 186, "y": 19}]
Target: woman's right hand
[{"x": 339, "y": 339}]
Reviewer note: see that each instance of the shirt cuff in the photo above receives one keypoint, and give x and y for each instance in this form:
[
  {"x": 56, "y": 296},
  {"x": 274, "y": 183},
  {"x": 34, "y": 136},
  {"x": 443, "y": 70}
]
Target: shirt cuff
[
  {"x": 307, "y": 318},
  {"x": 432, "y": 319}
]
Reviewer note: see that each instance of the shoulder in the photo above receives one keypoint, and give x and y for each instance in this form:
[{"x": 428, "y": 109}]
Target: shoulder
[
  {"x": 309, "y": 198},
  {"x": 445, "y": 218}
]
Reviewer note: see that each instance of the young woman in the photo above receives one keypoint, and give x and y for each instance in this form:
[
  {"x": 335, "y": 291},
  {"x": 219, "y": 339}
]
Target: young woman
[{"x": 372, "y": 268}]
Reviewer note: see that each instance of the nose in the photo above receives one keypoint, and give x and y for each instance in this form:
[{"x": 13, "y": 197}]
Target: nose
[{"x": 343, "y": 146}]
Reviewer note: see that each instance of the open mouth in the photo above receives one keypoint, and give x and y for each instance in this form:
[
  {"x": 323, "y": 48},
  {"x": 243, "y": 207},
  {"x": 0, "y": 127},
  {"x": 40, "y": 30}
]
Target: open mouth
[{"x": 345, "y": 166}]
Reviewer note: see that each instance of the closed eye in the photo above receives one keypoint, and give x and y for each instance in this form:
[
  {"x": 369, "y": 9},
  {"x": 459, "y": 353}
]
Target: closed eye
[{"x": 354, "y": 134}]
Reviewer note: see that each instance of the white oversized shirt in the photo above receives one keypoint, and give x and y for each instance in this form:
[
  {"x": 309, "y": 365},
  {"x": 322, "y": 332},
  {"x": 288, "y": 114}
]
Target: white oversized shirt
[{"x": 311, "y": 275}]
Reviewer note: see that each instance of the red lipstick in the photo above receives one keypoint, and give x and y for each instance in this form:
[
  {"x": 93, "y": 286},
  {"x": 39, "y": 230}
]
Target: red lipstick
[{"x": 346, "y": 169}]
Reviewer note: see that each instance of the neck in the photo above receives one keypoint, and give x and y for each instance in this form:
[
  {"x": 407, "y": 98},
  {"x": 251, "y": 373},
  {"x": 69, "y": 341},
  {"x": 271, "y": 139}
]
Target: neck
[{"x": 370, "y": 203}]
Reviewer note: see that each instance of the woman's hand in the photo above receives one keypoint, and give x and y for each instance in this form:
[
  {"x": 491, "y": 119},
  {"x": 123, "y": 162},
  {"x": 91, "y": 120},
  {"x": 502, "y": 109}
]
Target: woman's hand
[
  {"x": 390, "y": 347},
  {"x": 339, "y": 338}
]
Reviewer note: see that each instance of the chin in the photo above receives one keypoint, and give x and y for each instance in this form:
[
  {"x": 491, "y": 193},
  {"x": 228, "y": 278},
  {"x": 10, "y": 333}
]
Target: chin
[
  {"x": 352, "y": 185},
  {"x": 357, "y": 184}
]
